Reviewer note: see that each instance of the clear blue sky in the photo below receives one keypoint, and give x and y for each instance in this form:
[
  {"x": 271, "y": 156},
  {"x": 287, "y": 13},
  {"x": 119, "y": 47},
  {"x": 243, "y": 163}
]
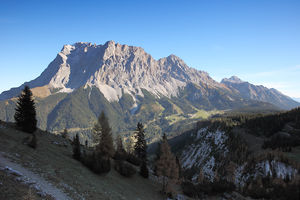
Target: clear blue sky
[{"x": 259, "y": 41}]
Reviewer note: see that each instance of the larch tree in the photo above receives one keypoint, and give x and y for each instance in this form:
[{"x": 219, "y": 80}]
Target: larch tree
[
  {"x": 166, "y": 166},
  {"x": 25, "y": 115},
  {"x": 64, "y": 134}
]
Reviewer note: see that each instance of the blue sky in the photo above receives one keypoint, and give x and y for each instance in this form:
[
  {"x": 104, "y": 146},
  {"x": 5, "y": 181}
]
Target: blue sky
[{"x": 259, "y": 41}]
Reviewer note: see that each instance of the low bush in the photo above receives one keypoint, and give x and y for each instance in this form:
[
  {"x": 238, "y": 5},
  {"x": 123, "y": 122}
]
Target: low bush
[
  {"x": 133, "y": 160},
  {"x": 97, "y": 164},
  {"x": 124, "y": 168},
  {"x": 144, "y": 172},
  {"x": 33, "y": 142},
  {"x": 198, "y": 190},
  {"x": 191, "y": 190}
]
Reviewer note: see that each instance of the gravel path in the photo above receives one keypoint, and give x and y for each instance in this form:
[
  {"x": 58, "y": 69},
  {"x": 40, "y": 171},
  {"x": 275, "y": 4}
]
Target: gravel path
[{"x": 33, "y": 179}]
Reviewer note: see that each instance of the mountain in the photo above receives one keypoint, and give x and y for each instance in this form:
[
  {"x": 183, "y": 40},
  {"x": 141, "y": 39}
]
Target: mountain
[
  {"x": 115, "y": 69},
  {"x": 260, "y": 93},
  {"x": 130, "y": 86},
  {"x": 297, "y": 99}
]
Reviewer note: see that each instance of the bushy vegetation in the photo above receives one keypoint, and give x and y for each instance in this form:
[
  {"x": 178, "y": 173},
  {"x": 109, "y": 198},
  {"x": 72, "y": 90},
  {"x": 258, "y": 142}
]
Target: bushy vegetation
[
  {"x": 76, "y": 148},
  {"x": 33, "y": 142},
  {"x": 282, "y": 143},
  {"x": 199, "y": 190},
  {"x": 125, "y": 169},
  {"x": 268, "y": 188},
  {"x": 267, "y": 125}
]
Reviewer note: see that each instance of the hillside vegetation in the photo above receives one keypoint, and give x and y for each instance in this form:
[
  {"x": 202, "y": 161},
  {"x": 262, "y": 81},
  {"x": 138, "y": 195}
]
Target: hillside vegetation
[{"x": 52, "y": 160}]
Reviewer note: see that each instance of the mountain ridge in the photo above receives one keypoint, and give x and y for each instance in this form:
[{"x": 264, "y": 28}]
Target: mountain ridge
[
  {"x": 130, "y": 86},
  {"x": 259, "y": 92}
]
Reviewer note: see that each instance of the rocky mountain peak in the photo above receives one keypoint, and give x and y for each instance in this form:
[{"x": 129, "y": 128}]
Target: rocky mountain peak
[
  {"x": 232, "y": 79},
  {"x": 116, "y": 69}
]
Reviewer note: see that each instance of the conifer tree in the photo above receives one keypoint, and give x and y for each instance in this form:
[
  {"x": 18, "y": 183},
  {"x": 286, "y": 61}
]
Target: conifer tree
[
  {"x": 140, "y": 147},
  {"x": 76, "y": 148},
  {"x": 25, "y": 115},
  {"x": 103, "y": 137},
  {"x": 166, "y": 166},
  {"x": 120, "y": 152}
]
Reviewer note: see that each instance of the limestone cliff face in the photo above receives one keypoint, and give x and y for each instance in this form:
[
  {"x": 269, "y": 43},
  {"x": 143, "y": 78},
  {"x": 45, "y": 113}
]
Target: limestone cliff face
[{"x": 116, "y": 69}]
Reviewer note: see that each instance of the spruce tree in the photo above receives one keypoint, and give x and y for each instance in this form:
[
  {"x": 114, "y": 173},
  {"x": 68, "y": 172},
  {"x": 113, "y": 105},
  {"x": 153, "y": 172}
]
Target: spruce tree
[
  {"x": 120, "y": 153},
  {"x": 140, "y": 147},
  {"x": 103, "y": 136},
  {"x": 25, "y": 115},
  {"x": 166, "y": 166},
  {"x": 76, "y": 148}
]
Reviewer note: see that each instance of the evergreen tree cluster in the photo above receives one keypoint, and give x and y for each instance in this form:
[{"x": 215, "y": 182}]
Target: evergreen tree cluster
[{"x": 99, "y": 157}]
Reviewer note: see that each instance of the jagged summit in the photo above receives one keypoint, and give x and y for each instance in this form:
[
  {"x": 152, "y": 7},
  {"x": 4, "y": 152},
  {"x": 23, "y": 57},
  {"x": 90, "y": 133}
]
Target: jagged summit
[
  {"x": 232, "y": 79},
  {"x": 115, "y": 69},
  {"x": 118, "y": 69}
]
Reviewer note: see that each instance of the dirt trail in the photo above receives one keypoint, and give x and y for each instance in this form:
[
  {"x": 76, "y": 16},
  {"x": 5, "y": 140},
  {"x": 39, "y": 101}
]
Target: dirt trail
[{"x": 38, "y": 182}]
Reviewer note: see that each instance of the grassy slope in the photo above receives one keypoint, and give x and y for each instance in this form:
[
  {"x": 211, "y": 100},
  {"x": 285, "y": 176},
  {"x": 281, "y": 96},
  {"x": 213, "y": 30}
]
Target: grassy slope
[
  {"x": 12, "y": 189},
  {"x": 54, "y": 163}
]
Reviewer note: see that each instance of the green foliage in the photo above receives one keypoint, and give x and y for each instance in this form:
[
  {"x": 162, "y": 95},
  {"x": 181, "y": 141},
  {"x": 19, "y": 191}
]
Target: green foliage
[
  {"x": 72, "y": 111},
  {"x": 268, "y": 188},
  {"x": 124, "y": 168},
  {"x": 102, "y": 132},
  {"x": 76, "y": 148},
  {"x": 133, "y": 159},
  {"x": 200, "y": 190},
  {"x": 269, "y": 124},
  {"x": 144, "y": 172},
  {"x": 120, "y": 154},
  {"x": 25, "y": 115},
  {"x": 140, "y": 146}
]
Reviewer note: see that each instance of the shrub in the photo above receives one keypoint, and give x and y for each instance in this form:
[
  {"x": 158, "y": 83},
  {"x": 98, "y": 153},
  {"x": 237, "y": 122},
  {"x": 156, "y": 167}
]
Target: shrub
[
  {"x": 96, "y": 164},
  {"x": 191, "y": 190},
  {"x": 222, "y": 186},
  {"x": 120, "y": 156},
  {"x": 33, "y": 142},
  {"x": 76, "y": 148},
  {"x": 144, "y": 172},
  {"x": 198, "y": 190},
  {"x": 101, "y": 165},
  {"x": 133, "y": 160},
  {"x": 124, "y": 168}
]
